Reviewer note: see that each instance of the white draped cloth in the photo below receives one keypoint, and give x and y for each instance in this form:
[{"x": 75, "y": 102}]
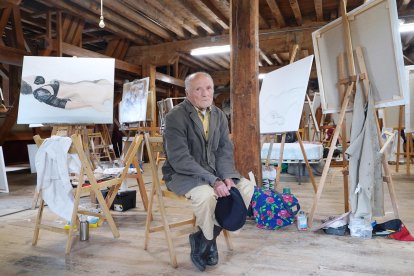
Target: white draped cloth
[
  {"x": 52, "y": 165},
  {"x": 366, "y": 194}
]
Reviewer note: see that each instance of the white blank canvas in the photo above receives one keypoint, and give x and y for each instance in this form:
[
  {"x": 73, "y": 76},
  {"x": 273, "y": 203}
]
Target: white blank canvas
[
  {"x": 374, "y": 27},
  {"x": 4, "y": 186},
  {"x": 409, "y": 107},
  {"x": 282, "y": 96}
]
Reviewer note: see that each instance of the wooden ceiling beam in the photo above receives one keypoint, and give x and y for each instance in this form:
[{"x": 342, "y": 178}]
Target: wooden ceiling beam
[
  {"x": 277, "y": 58},
  {"x": 94, "y": 17},
  {"x": 145, "y": 8},
  {"x": 73, "y": 50},
  {"x": 404, "y": 5},
  {"x": 160, "y": 7},
  {"x": 5, "y": 15},
  {"x": 207, "y": 60},
  {"x": 220, "y": 61},
  {"x": 274, "y": 8},
  {"x": 262, "y": 22},
  {"x": 197, "y": 62},
  {"x": 12, "y": 56},
  {"x": 318, "y": 10},
  {"x": 138, "y": 19},
  {"x": 7, "y": 3},
  {"x": 191, "y": 10},
  {"x": 264, "y": 57},
  {"x": 296, "y": 11},
  {"x": 169, "y": 79},
  {"x": 216, "y": 13}
]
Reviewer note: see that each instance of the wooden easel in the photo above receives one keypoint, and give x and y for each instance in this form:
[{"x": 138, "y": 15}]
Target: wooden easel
[
  {"x": 282, "y": 145},
  {"x": 409, "y": 150},
  {"x": 350, "y": 84}
]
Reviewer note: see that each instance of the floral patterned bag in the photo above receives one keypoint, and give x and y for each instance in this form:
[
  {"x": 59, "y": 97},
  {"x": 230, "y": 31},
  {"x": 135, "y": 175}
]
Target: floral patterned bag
[{"x": 273, "y": 210}]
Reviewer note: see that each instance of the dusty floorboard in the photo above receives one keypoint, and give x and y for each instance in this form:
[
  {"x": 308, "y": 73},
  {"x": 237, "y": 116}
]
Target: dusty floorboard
[{"x": 257, "y": 252}]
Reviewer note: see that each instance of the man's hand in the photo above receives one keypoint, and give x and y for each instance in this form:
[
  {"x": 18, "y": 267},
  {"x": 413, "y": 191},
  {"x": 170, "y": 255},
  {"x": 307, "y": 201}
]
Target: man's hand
[
  {"x": 229, "y": 183},
  {"x": 220, "y": 188}
]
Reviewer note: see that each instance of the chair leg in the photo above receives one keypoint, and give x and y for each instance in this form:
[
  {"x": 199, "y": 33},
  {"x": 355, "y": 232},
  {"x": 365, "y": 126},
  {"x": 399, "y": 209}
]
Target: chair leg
[
  {"x": 167, "y": 229},
  {"x": 38, "y": 221},
  {"x": 149, "y": 217},
  {"x": 228, "y": 240}
]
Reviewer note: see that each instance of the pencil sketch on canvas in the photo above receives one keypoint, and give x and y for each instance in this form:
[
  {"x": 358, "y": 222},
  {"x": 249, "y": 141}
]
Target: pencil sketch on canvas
[
  {"x": 134, "y": 101},
  {"x": 282, "y": 96},
  {"x": 61, "y": 90}
]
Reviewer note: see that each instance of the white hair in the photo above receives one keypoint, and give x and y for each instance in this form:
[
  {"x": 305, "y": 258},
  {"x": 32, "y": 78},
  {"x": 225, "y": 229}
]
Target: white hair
[{"x": 189, "y": 79}]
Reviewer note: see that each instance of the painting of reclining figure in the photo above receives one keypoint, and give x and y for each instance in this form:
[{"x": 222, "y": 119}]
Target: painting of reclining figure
[
  {"x": 133, "y": 107},
  {"x": 62, "y": 90}
]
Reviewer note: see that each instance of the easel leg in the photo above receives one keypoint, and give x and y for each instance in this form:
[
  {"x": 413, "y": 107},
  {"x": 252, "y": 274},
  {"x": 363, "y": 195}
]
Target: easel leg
[
  {"x": 279, "y": 164},
  {"x": 330, "y": 153},
  {"x": 302, "y": 148}
]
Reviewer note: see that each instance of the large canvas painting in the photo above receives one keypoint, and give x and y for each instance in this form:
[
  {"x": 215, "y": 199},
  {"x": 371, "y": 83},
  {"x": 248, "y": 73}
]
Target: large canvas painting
[
  {"x": 63, "y": 90},
  {"x": 282, "y": 96},
  {"x": 133, "y": 107},
  {"x": 374, "y": 27}
]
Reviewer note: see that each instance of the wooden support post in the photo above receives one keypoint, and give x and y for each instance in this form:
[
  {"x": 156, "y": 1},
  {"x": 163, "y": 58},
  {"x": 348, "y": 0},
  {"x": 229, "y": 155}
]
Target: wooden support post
[
  {"x": 59, "y": 34},
  {"x": 244, "y": 93},
  {"x": 150, "y": 71}
]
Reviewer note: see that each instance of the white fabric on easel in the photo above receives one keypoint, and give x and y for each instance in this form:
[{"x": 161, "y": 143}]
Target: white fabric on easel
[
  {"x": 366, "y": 194},
  {"x": 53, "y": 175}
]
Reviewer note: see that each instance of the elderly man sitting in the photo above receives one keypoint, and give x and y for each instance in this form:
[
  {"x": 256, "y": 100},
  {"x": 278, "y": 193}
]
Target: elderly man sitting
[{"x": 200, "y": 163}]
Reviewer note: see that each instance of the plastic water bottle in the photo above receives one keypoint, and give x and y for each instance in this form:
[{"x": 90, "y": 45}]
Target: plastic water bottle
[
  {"x": 265, "y": 178},
  {"x": 272, "y": 177},
  {"x": 302, "y": 221}
]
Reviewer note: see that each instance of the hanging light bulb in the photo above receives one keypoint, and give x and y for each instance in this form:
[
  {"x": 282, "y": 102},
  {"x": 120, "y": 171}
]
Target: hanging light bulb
[{"x": 101, "y": 21}]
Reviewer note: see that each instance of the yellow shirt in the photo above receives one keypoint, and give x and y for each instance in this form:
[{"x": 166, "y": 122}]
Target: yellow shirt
[{"x": 205, "y": 120}]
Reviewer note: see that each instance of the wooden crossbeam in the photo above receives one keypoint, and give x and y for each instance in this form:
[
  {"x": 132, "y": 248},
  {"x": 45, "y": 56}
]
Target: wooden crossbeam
[
  {"x": 274, "y": 8},
  {"x": 216, "y": 12},
  {"x": 169, "y": 79},
  {"x": 172, "y": 15},
  {"x": 264, "y": 57},
  {"x": 161, "y": 17},
  {"x": 296, "y": 11},
  {"x": 192, "y": 11},
  {"x": 318, "y": 10}
]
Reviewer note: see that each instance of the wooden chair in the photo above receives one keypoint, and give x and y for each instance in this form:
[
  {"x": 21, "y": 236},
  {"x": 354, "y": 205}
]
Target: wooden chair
[
  {"x": 94, "y": 186},
  {"x": 155, "y": 145}
]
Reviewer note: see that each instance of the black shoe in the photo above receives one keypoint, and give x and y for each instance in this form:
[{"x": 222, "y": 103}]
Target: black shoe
[
  {"x": 212, "y": 252},
  {"x": 199, "y": 245}
]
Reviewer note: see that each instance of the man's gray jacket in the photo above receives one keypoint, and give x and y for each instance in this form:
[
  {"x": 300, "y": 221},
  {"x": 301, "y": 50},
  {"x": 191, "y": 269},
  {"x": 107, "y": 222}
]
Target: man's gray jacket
[{"x": 191, "y": 159}]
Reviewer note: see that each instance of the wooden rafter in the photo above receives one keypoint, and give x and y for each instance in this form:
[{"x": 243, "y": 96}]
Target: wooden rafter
[
  {"x": 216, "y": 13},
  {"x": 163, "y": 19},
  {"x": 264, "y": 57},
  {"x": 220, "y": 61},
  {"x": 277, "y": 58},
  {"x": 160, "y": 7},
  {"x": 207, "y": 60},
  {"x": 274, "y": 8},
  {"x": 195, "y": 63},
  {"x": 296, "y": 11},
  {"x": 191, "y": 10},
  {"x": 404, "y": 4},
  {"x": 135, "y": 17},
  {"x": 137, "y": 35},
  {"x": 318, "y": 10},
  {"x": 262, "y": 22}
]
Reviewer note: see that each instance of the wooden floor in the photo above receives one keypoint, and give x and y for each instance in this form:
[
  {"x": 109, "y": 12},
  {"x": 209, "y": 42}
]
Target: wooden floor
[{"x": 257, "y": 252}]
